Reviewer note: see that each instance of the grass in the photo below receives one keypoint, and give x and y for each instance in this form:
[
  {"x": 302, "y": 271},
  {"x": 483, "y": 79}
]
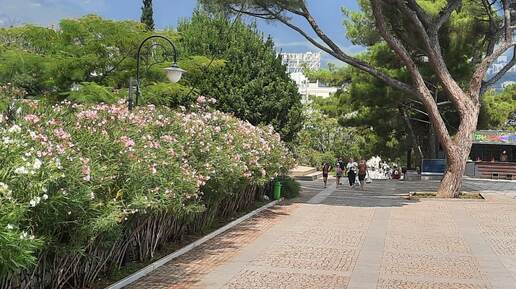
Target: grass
[{"x": 433, "y": 195}]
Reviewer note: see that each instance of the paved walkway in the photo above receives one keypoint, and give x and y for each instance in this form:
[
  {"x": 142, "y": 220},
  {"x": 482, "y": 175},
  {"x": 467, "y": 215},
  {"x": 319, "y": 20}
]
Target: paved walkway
[{"x": 339, "y": 238}]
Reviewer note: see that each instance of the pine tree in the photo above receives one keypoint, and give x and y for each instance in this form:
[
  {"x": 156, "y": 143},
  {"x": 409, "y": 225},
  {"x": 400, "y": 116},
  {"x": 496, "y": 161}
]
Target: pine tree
[{"x": 147, "y": 15}]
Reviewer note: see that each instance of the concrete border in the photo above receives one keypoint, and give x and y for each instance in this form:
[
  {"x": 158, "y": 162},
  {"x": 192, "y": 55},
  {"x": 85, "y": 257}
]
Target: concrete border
[
  {"x": 155, "y": 265},
  {"x": 488, "y": 180}
]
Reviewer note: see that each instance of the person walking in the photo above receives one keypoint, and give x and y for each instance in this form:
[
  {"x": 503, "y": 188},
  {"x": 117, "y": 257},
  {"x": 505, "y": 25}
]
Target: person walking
[
  {"x": 325, "y": 171},
  {"x": 340, "y": 167},
  {"x": 351, "y": 168},
  {"x": 338, "y": 174},
  {"x": 362, "y": 172}
]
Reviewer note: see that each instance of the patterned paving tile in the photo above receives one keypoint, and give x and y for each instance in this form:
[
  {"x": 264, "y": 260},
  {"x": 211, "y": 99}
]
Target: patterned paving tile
[
  {"x": 436, "y": 266},
  {"x": 248, "y": 279},
  {"x": 404, "y": 284}
]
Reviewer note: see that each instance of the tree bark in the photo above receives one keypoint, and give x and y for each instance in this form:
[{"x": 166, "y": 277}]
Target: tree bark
[{"x": 457, "y": 156}]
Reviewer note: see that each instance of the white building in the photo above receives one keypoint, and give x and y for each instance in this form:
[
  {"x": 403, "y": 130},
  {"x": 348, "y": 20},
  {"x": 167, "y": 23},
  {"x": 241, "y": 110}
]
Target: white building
[
  {"x": 297, "y": 62},
  {"x": 307, "y": 88}
]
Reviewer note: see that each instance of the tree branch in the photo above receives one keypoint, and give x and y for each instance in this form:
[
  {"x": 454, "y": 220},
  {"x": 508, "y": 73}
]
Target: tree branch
[
  {"x": 499, "y": 74},
  {"x": 476, "y": 82},
  {"x": 481, "y": 69},
  {"x": 507, "y": 21},
  {"x": 423, "y": 91},
  {"x": 431, "y": 42},
  {"x": 334, "y": 50},
  {"x": 421, "y": 13},
  {"x": 446, "y": 12}
]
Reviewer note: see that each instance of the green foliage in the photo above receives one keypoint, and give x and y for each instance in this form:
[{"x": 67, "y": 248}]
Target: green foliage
[
  {"x": 168, "y": 94},
  {"x": 290, "y": 188},
  {"x": 89, "y": 49},
  {"x": 323, "y": 139},
  {"x": 232, "y": 63},
  {"x": 359, "y": 25},
  {"x": 147, "y": 17},
  {"x": 90, "y": 92},
  {"x": 497, "y": 109},
  {"x": 252, "y": 83},
  {"x": 331, "y": 76},
  {"x": 76, "y": 179}
]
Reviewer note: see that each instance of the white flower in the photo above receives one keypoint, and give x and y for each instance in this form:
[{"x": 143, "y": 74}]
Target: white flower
[
  {"x": 9, "y": 227},
  {"x": 58, "y": 163},
  {"x": 44, "y": 197},
  {"x": 34, "y": 202},
  {"x": 92, "y": 195},
  {"x": 15, "y": 128},
  {"x": 37, "y": 164},
  {"x": 23, "y": 235},
  {"x": 3, "y": 187},
  {"x": 21, "y": 171}
]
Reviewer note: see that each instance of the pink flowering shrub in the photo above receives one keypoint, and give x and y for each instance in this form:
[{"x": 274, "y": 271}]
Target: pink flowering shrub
[{"x": 77, "y": 178}]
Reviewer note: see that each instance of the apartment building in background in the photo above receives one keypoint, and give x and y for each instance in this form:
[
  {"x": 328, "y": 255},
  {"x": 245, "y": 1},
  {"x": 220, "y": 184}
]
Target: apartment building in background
[{"x": 296, "y": 63}]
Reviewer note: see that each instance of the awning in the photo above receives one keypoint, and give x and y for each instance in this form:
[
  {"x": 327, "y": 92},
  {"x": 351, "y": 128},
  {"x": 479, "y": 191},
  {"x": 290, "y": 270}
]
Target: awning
[{"x": 494, "y": 137}]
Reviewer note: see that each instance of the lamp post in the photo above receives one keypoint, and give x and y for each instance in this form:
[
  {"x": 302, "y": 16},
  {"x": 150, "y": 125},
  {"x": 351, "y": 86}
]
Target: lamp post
[{"x": 173, "y": 72}]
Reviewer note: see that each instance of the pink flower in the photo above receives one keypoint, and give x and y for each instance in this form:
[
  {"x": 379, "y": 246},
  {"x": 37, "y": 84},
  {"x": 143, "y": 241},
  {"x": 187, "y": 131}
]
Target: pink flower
[
  {"x": 201, "y": 99},
  {"x": 61, "y": 134},
  {"x": 87, "y": 114},
  {"x": 168, "y": 138},
  {"x": 86, "y": 169},
  {"x": 153, "y": 144},
  {"x": 127, "y": 142},
  {"x": 31, "y": 118}
]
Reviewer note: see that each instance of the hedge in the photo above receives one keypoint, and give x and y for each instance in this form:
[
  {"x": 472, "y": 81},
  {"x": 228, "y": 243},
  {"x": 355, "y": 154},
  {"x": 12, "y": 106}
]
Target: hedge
[{"x": 85, "y": 189}]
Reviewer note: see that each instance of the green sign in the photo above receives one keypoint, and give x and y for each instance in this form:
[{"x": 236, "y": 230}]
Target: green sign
[{"x": 494, "y": 137}]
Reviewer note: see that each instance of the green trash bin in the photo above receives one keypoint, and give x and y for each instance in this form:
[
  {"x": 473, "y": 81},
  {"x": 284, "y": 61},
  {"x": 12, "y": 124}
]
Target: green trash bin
[{"x": 277, "y": 190}]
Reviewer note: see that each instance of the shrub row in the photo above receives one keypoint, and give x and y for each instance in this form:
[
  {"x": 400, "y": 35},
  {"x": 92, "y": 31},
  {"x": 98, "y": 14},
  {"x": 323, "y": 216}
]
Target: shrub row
[{"x": 84, "y": 189}]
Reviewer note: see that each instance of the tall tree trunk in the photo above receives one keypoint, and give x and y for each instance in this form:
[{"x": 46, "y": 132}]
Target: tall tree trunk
[
  {"x": 432, "y": 142},
  {"x": 457, "y": 155}
]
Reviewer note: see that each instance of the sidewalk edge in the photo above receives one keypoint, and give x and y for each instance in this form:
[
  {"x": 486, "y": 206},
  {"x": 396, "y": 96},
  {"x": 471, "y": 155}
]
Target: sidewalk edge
[{"x": 155, "y": 265}]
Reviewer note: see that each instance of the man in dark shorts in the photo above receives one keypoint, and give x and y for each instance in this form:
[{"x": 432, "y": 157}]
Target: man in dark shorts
[
  {"x": 325, "y": 170},
  {"x": 362, "y": 172}
]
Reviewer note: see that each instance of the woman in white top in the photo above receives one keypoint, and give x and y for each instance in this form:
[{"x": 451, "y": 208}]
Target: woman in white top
[{"x": 351, "y": 168}]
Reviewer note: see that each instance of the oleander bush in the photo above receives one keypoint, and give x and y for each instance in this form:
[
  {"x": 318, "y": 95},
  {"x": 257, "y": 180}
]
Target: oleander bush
[{"x": 86, "y": 188}]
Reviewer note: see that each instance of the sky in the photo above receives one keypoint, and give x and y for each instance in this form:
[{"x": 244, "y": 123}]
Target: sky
[{"x": 167, "y": 13}]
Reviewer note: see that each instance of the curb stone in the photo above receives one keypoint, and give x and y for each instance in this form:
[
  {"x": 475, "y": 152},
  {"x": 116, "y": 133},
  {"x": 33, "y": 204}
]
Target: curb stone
[{"x": 155, "y": 265}]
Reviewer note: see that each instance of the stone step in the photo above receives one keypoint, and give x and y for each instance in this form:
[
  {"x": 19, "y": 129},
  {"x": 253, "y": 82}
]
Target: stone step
[
  {"x": 301, "y": 171},
  {"x": 309, "y": 177}
]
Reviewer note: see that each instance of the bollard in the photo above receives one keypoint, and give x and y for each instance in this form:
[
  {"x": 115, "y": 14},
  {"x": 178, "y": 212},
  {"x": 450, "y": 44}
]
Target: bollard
[{"x": 277, "y": 190}]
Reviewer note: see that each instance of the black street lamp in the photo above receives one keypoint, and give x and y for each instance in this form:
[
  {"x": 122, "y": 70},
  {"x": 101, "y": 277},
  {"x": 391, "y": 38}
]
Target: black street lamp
[{"x": 173, "y": 72}]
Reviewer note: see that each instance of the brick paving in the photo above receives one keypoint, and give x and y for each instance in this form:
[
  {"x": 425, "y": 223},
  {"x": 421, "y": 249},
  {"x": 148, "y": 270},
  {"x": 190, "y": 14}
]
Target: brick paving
[{"x": 342, "y": 238}]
